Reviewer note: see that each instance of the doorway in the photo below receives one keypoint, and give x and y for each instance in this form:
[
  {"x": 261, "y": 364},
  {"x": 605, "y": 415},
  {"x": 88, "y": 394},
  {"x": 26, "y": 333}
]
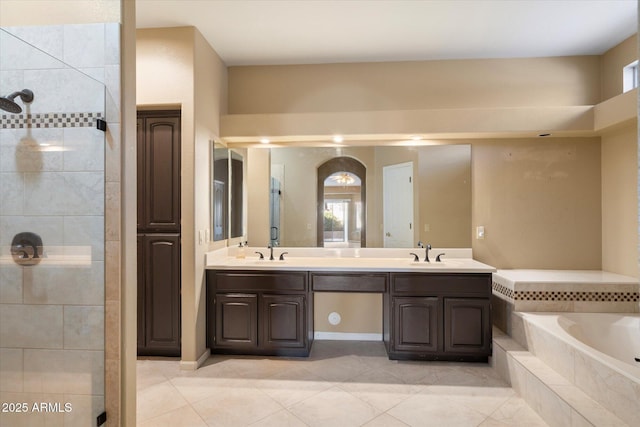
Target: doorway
[{"x": 341, "y": 203}]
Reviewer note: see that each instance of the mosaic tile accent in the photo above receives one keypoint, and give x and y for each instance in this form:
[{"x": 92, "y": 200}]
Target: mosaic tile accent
[
  {"x": 49, "y": 120},
  {"x": 502, "y": 290},
  {"x": 512, "y": 295}
]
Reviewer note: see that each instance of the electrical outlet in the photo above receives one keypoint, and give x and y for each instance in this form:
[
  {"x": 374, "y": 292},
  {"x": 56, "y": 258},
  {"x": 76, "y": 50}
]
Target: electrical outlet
[
  {"x": 480, "y": 232},
  {"x": 427, "y": 227}
]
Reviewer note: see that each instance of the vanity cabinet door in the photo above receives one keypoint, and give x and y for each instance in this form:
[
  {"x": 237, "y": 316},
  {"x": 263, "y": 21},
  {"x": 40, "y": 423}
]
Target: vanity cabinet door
[
  {"x": 416, "y": 324},
  {"x": 282, "y": 321},
  {"x": 236, "y": 321},
  {"x": 467, "y": 326}
]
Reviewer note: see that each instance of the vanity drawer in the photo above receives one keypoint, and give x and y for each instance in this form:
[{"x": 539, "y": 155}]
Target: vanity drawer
[
  {"x": 349, "y": 282},
  {"x": 244, "y": 281},
  {"x": 434, "y": 284}
]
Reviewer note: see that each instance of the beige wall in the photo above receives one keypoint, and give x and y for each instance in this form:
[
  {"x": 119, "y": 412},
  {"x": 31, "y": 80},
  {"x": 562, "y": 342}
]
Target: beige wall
[
  {"x": 47, "y": 12},
  {"x": 360, "y": 313},
  {"x": 210, "y": 99},
  {"x": 620, "y": 201},
  {"x": 539, "y": 201},
  {"x": 531, "y": 82},
  {"x": 171, "y": 62},
  {"x": 613, "y": 61},
  {"x": 444, "y": 183}
]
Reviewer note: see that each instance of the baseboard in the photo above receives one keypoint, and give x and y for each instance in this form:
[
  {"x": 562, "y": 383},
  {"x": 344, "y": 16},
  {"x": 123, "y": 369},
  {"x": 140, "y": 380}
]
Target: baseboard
[
  {"x": 346, "y": 336},
  {"x": 192, "y": 366}
]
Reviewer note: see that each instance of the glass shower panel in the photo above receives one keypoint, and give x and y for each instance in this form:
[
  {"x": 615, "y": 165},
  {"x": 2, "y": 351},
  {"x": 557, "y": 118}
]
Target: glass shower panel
[{"x": 52, "y": 233}]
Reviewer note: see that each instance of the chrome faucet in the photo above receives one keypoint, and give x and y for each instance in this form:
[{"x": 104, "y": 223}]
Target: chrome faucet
[{"x": 427, "y": 249}]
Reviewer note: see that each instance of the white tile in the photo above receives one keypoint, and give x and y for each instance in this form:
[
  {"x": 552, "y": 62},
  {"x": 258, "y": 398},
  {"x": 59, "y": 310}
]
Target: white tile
[
  {"x": 11, "y": 370},
  {"x": 84, "y": 327},
  {"x": 282, "y": 418},
  {"x": 15, "y": 53},
  {"x": 334, "y": 407},
  {"x": 31, "y": 150},
  {"x": 554, "y": 411},
  {"x": 65, "y": 285},
  {"x": 84, "y": 149},
  {"x": 385, "y": 420},
  {"x": 484, "y": 400},
  {"x": 64, "y": 371},
  {"x": 30, "y": 326},
  {"x": 440, "y": 410},
  {"x": 84, "y": 409},
  {"x": 84, "y": 45},
  {"x": 64, "y": 91},
  {"x": 10, "y": 284},
  {"x": 293, "y": 385},
  {"x": 85, "y": 231},
  {"x": 236, "y": 406},
  {"x": 158, "y": 400},
  {"x": 380, "y": 389},
  {"x": 515, "y": 412},
  {"x": 614, "y": 391},
  {"x": 48, "y": 38},
  {"x": 184, "y": 416},
  {"x": 64, "y": 193},
  {"x": 554, "y": 352},
  {"x": 49, "y": 228},
  {"x": 112, "y": 43},
  {"x": 12, "y": 194}
]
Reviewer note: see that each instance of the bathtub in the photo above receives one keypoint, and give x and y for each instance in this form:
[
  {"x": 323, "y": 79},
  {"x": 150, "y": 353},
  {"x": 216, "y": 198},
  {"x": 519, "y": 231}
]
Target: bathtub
[{"x": 594, "y": 351}]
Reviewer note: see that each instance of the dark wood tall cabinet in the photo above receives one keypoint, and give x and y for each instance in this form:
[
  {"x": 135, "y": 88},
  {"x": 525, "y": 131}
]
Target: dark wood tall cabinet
[{"x": 158, "y": 162}]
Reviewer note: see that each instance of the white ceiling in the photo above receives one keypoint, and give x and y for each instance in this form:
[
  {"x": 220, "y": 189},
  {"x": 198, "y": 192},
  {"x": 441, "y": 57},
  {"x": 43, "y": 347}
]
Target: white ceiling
[{"x": 251, "y": 32}]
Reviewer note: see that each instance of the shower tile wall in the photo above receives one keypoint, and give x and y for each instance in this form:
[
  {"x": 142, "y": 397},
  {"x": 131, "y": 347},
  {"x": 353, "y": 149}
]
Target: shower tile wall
[{"x": 52, "y": 317}]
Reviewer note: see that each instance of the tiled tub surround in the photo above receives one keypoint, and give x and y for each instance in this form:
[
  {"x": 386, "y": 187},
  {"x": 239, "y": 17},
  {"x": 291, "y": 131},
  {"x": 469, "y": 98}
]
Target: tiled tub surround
[
  {"x": 559, "y": 402},
  {"x": 612, "y": 383},
  {"x": 53, "y": 182},
  {"x": 559, "y": 291}
]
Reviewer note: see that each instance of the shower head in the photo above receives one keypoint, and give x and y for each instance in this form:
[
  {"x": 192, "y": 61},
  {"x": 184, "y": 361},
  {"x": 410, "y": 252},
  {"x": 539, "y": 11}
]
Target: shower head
[{"x": 7, "y": 103}]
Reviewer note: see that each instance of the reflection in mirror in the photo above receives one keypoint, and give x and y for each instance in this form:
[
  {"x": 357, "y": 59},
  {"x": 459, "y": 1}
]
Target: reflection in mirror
[
  {"x": 341, "y": 193},
  {"x": 220, "y": 190},
  {"x": 237, "y": 190},
  {"x": 342, "y": 219},
  {"x": 441, "y": 177}
]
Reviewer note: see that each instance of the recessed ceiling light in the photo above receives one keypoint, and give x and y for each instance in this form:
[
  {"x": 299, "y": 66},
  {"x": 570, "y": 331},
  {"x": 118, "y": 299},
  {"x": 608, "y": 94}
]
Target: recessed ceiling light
[
  {"x": 264, "y": 141},
  {"x": 338, "y": 139}
]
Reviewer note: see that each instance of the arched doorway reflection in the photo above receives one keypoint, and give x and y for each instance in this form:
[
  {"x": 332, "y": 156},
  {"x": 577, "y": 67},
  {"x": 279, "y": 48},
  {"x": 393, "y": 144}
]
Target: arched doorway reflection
[{"x": 341, "y": 218}]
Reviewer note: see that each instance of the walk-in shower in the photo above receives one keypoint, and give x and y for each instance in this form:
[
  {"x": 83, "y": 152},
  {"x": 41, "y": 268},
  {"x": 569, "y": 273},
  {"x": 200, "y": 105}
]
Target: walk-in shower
[
  {"x": 8, "y": 103},
  {"x": 52, "y": 229}
]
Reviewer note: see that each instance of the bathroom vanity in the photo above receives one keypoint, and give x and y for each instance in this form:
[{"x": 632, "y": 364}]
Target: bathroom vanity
[{"x": 431, "y": 311}]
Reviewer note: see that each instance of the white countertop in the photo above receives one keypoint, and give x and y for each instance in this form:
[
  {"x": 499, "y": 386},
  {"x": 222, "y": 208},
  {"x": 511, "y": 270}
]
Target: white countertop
[
  {"x": 563, "y": 276},
  {"x": 374, "y": 260}
]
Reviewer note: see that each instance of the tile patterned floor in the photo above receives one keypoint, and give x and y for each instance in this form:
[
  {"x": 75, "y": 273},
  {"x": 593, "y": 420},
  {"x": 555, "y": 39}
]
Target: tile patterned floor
[{"x": 342, "y": 383}]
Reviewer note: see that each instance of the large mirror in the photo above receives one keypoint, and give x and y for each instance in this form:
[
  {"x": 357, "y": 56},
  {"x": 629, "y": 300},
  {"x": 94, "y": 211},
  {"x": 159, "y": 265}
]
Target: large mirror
[
  {"x": 227, "y": 191},
  {"x": 220, "y": 193},
  {"x": 379, "y": 196},
  {"x": 236, "y": 196}
]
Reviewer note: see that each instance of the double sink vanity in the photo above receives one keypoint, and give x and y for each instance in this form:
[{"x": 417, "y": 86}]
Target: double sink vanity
[{"x": 431, "y": 310}]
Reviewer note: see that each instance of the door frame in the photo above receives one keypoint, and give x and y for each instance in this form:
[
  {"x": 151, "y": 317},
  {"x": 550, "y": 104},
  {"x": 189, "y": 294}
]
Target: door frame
[{"x": 331, "y": 166}]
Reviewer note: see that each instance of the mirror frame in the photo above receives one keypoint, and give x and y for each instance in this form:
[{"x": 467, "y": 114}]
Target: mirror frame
[{"x": 331, "y": 166}]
